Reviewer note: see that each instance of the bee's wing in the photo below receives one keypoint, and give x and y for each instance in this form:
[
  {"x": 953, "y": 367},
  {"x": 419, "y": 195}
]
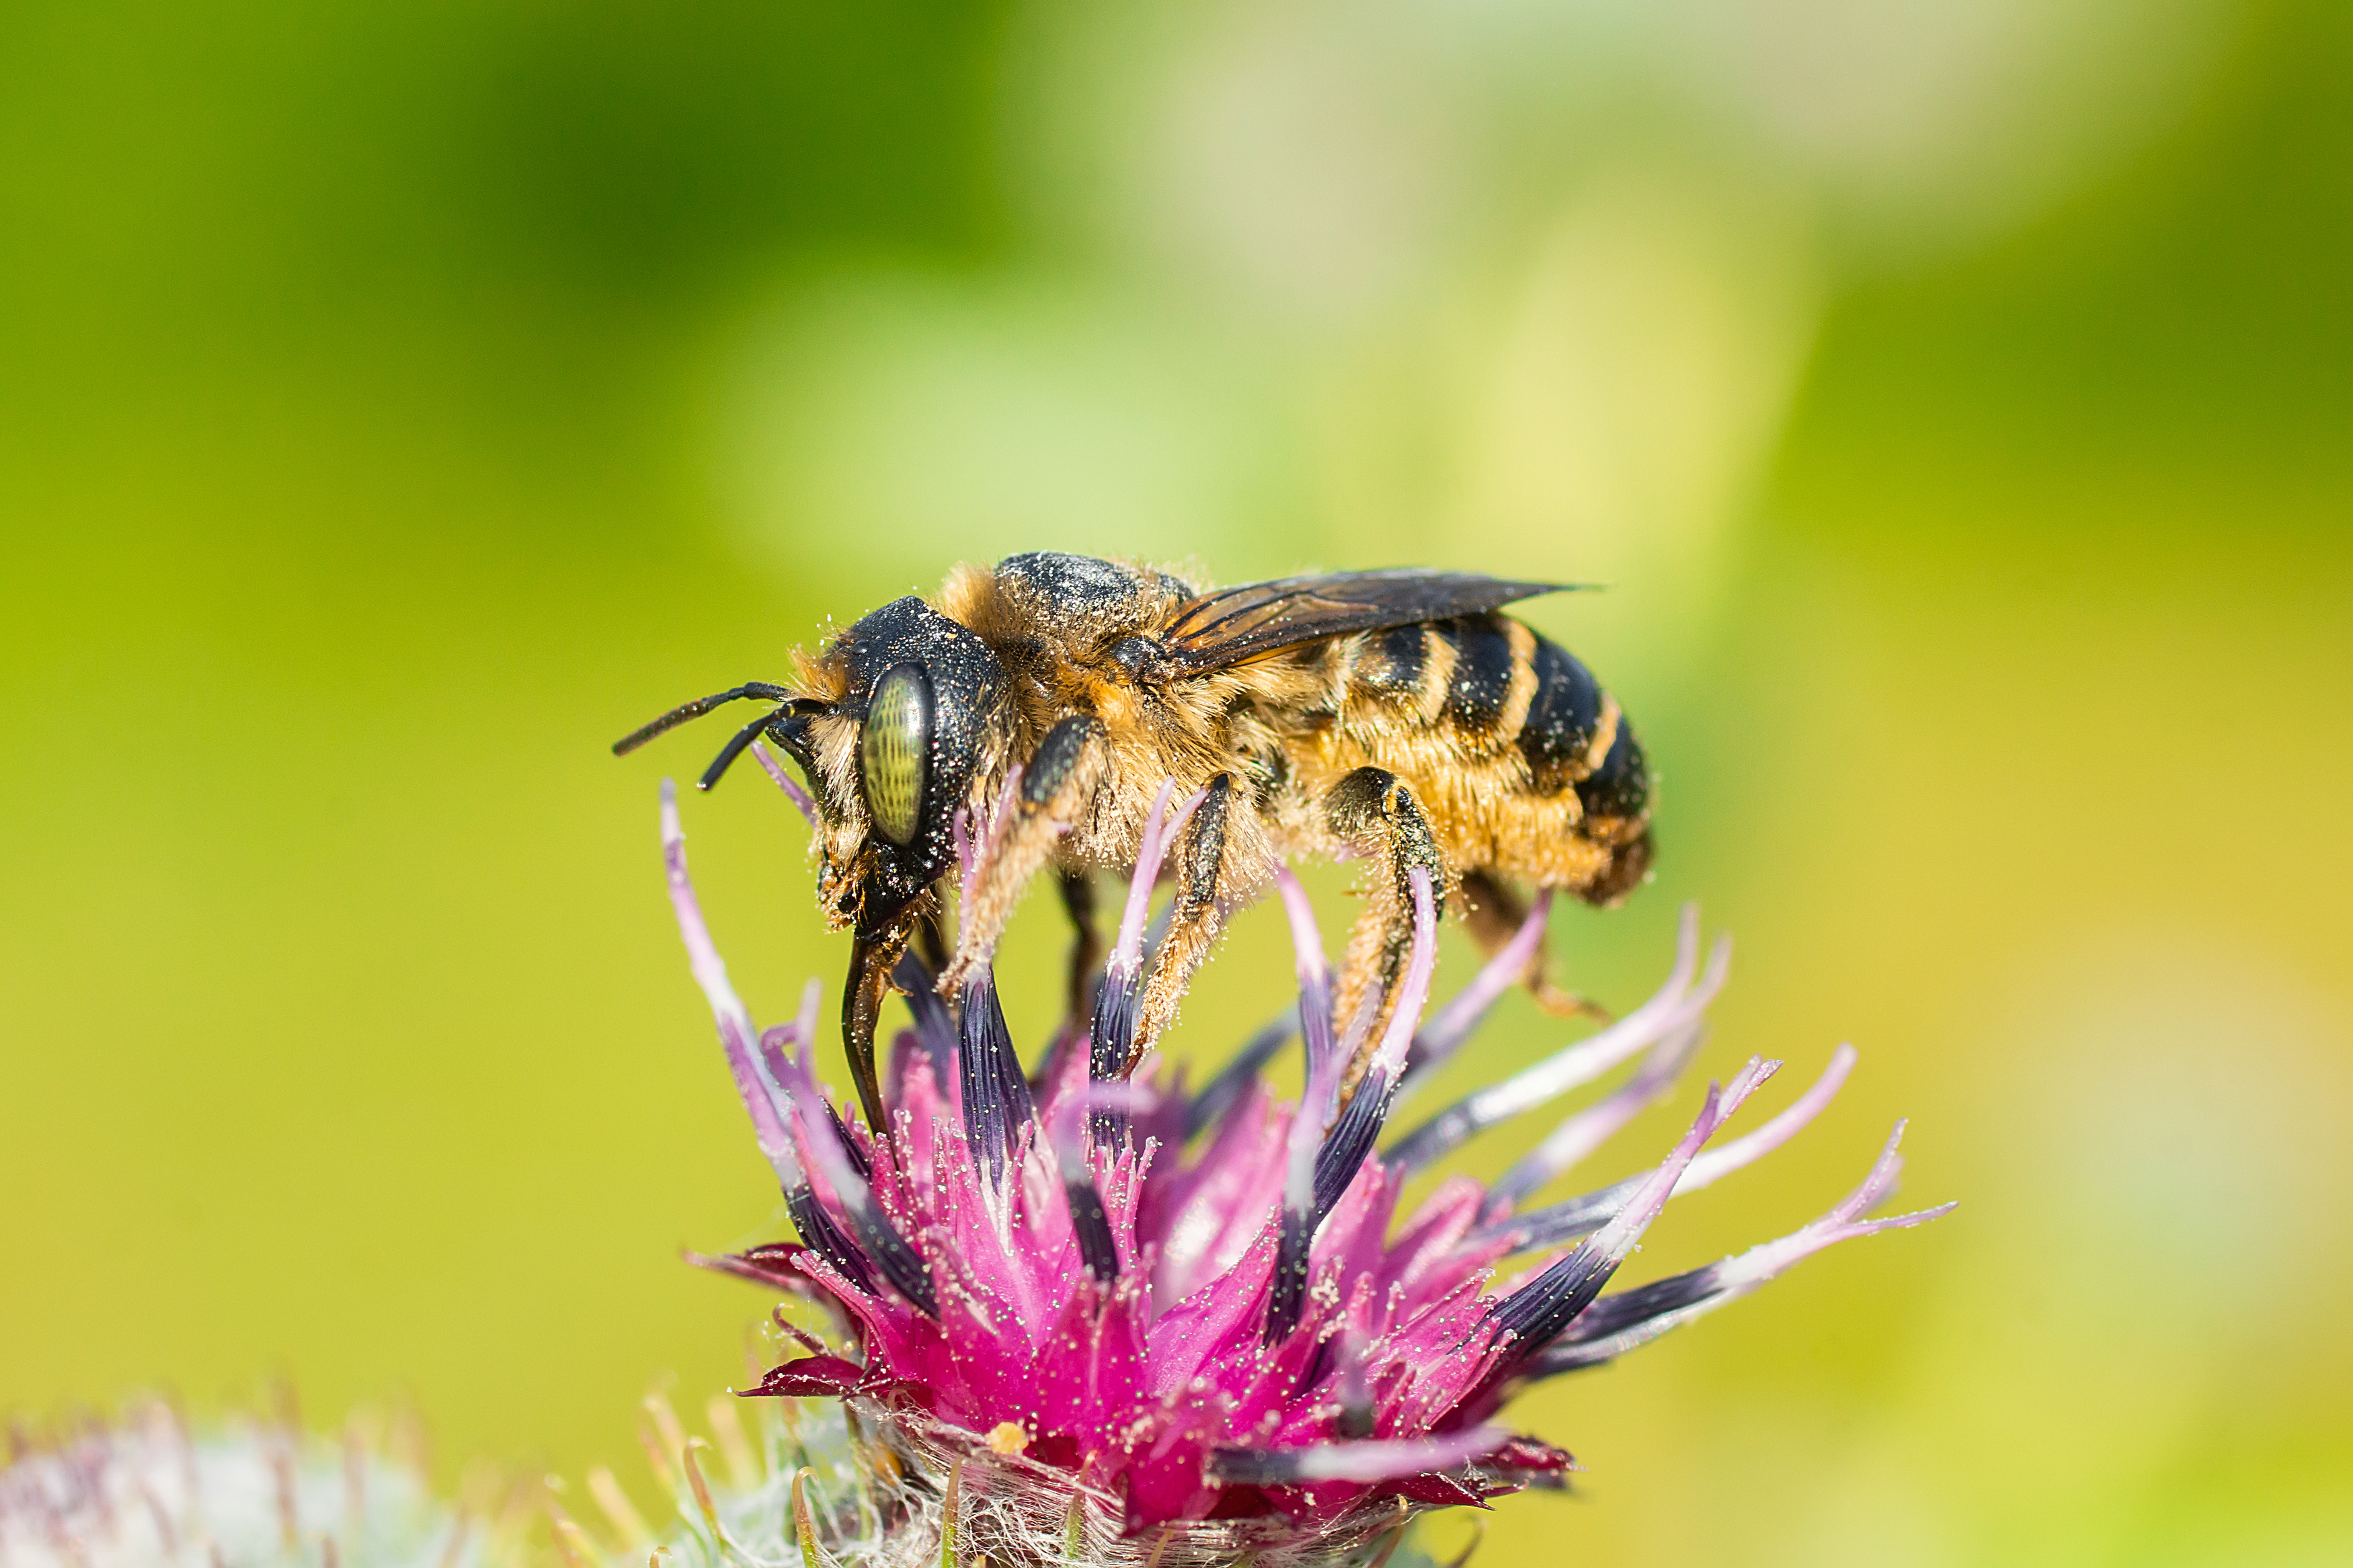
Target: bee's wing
[{"x": 1234, "y": 625}]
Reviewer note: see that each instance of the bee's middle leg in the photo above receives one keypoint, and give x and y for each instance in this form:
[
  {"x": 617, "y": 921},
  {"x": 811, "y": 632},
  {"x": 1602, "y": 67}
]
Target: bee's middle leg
[
  {"x": 1218, "y": 863},
  {"x": 1494, "y": 912},
  {"x": 1078, "y": 885},
  {"x": 1375, "y": 810}
]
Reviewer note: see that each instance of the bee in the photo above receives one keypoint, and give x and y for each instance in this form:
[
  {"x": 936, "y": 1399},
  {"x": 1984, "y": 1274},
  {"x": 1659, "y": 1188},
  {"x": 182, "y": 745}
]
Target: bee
[{"x": 1389, "y": 715}]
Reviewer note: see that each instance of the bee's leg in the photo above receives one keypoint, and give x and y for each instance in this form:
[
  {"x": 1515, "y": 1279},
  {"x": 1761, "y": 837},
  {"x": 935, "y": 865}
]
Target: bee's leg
[
  {"x": 1207, "y": 864},
  {"x": 932, "y": 940},
  {"x": 1078, "y": 886},
  {"x": 1494, "y": 912},
  {"x": 1057, "y": 782},
  {"x": 1373, "y": 809}
]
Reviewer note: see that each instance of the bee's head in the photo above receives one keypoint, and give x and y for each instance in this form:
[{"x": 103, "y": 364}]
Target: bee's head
[
  {"x": 897, "y": 754},
  {"x": 891, "y": 732}
]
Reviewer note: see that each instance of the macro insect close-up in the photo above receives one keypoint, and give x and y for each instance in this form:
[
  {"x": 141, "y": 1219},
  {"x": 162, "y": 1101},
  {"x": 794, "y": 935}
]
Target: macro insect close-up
[
  {"x": 1394, "y": 715},
  {"x": 1375, "y": 704}
]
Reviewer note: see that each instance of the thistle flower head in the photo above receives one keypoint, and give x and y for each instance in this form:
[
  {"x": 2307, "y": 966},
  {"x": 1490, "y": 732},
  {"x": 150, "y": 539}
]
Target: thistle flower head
[
  {"x": 1179, "y": 1326},
  {"x": 143, "y": 1492}
]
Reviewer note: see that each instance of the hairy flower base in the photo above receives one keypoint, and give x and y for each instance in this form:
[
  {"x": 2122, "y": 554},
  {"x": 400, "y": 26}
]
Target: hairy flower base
[
  {"x": 882, "y": 1490},
  {"x": 1199, "y": 1315}
]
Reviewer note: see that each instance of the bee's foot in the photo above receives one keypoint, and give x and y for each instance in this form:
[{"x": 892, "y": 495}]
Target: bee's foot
[{"x": 1558, "y": 1004}]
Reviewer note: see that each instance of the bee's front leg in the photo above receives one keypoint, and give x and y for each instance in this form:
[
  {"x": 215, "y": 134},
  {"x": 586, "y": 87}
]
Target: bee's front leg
[
  {"x": 1057, "y": 782},
  {"x": 1374, "y": 810}
]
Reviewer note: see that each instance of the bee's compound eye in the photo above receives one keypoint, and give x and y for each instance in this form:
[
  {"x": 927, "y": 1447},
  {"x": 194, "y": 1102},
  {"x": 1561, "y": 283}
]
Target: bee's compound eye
[{"x": 895, "y": 750}]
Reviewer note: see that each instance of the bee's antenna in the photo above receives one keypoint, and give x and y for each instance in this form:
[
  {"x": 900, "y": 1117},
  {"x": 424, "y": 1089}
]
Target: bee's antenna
[
  {"x": 696, "y": 709},
  {"x": 734, "y": 748}
]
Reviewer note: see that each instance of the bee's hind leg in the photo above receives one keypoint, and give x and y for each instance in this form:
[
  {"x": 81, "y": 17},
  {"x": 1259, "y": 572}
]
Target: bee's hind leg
[
  {"x": 1494, "y": 912},
  {"x": 1375, "y": 810}
]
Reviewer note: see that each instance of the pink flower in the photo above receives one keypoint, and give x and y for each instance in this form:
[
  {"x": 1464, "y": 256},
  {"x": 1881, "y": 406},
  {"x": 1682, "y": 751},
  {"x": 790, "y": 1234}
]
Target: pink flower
[{"x": 1199, "y": 1313}]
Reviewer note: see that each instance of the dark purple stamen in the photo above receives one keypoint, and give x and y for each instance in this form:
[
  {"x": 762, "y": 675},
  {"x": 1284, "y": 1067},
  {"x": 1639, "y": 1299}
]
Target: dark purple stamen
[
  {"x": 1090, "y": 1226},
  {"x": 1114, "y": 1031},
  {"x": 998, "y": 1108},
  {"x": 1287, "y": 1295},
  {"x": 1223, "y": 1092},
  {"x": 1594, "y": 1336},
  {"x": 1351, "y": 1139},
  {"x": 899, "y": 1263},
  {"x": 825, "y": 1237},
  {"x": 935, "y": 1028},
  {"x": 850, "y": 1148},
  {"x": 1566, "y": 1220}
]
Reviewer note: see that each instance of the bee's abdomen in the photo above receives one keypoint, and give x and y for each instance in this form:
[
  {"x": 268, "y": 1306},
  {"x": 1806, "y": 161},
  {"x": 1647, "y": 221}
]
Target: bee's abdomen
[
  {"x": 1565, "y": 719},
  {"x": 1447, "y": 703},
  {"x": 1392, "y": 664},
  {"x": 1496, "y": 684},
  {"x": 1480, "y": 689},
  {"x": 1620, "y": 786},
  {"x": 1576, "y": 738}
]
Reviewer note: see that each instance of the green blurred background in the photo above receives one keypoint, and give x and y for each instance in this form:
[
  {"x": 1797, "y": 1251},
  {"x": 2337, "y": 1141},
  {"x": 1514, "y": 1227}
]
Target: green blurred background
[{"x": 399, "y": 402}]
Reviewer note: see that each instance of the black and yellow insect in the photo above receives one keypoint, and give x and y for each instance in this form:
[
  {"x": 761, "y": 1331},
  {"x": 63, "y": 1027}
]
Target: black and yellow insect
[{"x": 1389, "y": 714}]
